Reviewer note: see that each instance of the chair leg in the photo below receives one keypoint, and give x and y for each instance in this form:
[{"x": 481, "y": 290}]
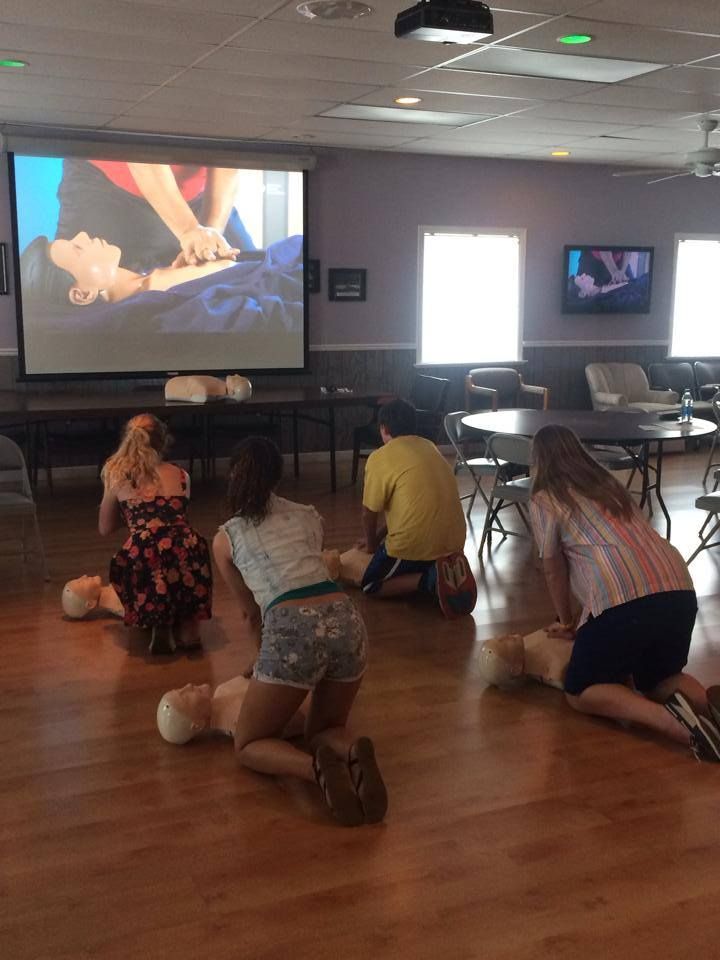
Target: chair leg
[
  {"x": 355, "y": 463},
  {"x": 710, "y": 463},
  {"x": 705, "y": 542}
]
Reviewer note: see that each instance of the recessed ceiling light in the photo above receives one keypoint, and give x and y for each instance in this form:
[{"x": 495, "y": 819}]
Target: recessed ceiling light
[
  {"x": 334, "y": 9},
  {"x": 13, "y": 63},
  {"x": 407, "y": 101},
  {"x": 560, "y": 153},
  {"x": 573, "y": 39}
]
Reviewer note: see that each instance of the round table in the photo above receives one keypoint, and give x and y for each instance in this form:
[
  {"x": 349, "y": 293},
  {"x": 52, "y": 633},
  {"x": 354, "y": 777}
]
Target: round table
[{"x": 624, "y": 429}]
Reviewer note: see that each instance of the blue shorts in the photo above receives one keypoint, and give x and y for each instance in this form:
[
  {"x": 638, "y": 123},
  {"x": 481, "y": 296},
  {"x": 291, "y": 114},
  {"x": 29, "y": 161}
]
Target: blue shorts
[
  {"x": 303, "y": 644},
  {"x": 647, "y": 639},
  {"x": 383, "y": 567}
]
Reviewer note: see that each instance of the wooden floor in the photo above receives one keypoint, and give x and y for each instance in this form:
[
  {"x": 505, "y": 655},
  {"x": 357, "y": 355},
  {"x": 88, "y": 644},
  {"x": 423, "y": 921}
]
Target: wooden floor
[{"x": 517, "y": 829}]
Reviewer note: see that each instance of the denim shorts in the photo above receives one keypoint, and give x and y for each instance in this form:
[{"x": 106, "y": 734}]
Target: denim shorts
[{"x": 303, "y": 644}]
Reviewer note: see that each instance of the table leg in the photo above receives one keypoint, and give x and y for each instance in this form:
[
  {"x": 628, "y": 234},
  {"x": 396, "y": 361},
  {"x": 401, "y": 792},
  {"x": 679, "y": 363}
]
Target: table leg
[
  {"x": 645, "y": 489},
  {"x": 296, "y": 444},
  {"x": 331, "y": 425},
  {"x": 658, "y": 487}
]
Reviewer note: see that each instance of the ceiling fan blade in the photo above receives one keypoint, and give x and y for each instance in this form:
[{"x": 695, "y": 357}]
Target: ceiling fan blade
[
  {"x": 674, "y": 176},
  {"x": 644, "y": 173}
]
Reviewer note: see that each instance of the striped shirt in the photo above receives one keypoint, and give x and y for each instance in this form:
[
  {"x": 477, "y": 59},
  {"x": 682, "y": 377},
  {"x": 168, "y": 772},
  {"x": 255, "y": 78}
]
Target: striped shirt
[{"x": 610, "y": 560}]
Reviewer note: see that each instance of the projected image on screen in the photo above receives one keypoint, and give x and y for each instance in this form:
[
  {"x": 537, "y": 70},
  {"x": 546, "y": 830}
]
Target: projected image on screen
[{"x": 147, "y": 267}]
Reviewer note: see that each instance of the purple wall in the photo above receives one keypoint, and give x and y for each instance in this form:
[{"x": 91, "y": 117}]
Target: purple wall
[{"x": 365, "y": 209}]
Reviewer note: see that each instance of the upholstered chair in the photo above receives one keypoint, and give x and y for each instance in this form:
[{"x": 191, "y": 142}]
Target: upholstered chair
[
  {"x": 617, "y": 386},
  {"x": 492, "y": 388}
]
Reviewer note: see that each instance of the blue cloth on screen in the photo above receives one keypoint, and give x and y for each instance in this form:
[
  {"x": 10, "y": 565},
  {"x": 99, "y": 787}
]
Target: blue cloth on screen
[{"x": 263, "y": 293}]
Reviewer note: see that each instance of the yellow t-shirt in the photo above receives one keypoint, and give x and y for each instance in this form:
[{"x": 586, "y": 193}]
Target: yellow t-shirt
[{"x": 409, "y": 479}]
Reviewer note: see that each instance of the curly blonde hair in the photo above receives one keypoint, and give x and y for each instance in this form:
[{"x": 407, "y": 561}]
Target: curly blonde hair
[{"x": 141, "y": 451}]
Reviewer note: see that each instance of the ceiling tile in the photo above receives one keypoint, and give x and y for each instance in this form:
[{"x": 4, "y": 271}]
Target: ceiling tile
[
  {"x": 170, "y": 102},
  {"x": 280, "y": 37},
  {"x": 290, "y": 66},
  {"x": 209, "y": 81},
  {"x": 492, "y": 134},
  {"x": 682, "y": 80},
  {"x": 240, "y": 8},
  {"x": 89, "y": 104},
  {"x": 382, "y": 20},
  {"x": 701, "y": 16},
  {"x": 622, "y": 41},
  {"x": 332, "y": 125},
  {"x": 83, "y": 43},
  {"x": 689, "y": 139},
  {"x": 570, "y": 129},
  {"x": 625, "y": 144},
  {"x": 228, "y": 127},
  {"x": 24, "y": 84},
  {"x": 463, "y": 148},
  {"x": 49, "y": 65},
  {"x": 627, "y": 95},
  {"x": 549, "y": 7},
  {"x": 360, "y": 141},
  {"x": 586, "y": 111},
  {"x": 448, "y": 80},
  {"x": 452, "y": 102},
  {"x": 124, "y": 19},
  {"x": 50, "y": 116}
]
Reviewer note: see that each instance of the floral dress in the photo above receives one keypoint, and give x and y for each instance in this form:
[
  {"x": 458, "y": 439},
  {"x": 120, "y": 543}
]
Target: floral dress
[{"x": 162, "y": 572}]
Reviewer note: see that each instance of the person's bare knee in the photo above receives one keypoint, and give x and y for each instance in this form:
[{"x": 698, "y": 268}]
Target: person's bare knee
[{"x": 575, "y": 701}]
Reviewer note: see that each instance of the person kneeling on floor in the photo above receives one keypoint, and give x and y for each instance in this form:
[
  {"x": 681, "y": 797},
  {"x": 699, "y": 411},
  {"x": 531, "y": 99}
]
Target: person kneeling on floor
[{"x": 421, "y": 546}]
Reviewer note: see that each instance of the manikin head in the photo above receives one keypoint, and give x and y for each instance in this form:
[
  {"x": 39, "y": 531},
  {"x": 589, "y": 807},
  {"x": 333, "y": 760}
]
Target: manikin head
[
  {"x": 239, "y": 388},
  {"x": 75, "y": 271},
  {"x": 501, "y": 661},
  {"x": 183, "y": 714},
  {"x": 397, "y": 419},
  {"x": 81, "y": 596}
]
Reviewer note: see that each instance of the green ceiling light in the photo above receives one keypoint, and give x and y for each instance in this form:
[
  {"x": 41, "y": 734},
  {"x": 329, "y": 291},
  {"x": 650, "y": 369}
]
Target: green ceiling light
[
  {"x": 573, "y": 39},
  {"x": 13, "y": 63}
]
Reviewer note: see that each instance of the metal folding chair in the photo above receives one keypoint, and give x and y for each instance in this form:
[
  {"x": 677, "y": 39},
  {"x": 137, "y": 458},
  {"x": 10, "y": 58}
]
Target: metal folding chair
[
  {"x": 510, "y": 454},
  {"x": 16, "y": 497}
]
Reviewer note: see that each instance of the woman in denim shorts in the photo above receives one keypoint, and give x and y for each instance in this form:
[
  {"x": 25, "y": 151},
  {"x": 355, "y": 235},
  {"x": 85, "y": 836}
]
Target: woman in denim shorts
[{"x": 313, "y": 640}]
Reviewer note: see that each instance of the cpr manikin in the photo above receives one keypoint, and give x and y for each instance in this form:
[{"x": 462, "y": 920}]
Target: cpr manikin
[
  {"x": 506, "y": 661},
  {"x": 349, "y": 566},
  {"x": 86, "y": 596},
  {"x": 193, "y": 709},
  {"x": 199, "y": 388}
]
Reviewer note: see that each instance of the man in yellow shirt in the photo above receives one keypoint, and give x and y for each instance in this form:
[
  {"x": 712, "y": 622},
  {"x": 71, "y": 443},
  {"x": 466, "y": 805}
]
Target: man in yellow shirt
[{"x": 420, "y": 547}]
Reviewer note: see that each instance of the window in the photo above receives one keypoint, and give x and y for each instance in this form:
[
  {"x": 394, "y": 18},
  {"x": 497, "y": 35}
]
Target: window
[
  {"x": 695, "y": 327},
  {"x": 470, "y": 295}
]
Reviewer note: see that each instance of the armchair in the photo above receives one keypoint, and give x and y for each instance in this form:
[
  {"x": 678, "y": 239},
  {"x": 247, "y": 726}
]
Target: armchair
[
  {"x": 707, "y": 376},
  {"x": 618, "y": 386},
  {"x": 495, "y": 387}
]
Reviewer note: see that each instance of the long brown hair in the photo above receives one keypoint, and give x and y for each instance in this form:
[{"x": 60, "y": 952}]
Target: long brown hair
[
  {"x": 142, "y": 447},
  {"x": 563, "y": 468},
  {"x": 256, "y": 467}
]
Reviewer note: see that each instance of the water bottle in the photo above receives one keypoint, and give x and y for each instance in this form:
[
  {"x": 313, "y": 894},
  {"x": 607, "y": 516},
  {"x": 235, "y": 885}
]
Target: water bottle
[{"x": 686, "y": 407}]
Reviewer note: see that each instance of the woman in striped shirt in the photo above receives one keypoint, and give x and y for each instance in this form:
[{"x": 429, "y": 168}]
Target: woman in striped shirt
[{"x": 637, "y": 598}]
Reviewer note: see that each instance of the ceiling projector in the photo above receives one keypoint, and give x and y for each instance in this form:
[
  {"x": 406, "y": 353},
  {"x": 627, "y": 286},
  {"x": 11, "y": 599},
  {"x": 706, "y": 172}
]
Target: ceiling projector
[{"x": 445, "y": 21}]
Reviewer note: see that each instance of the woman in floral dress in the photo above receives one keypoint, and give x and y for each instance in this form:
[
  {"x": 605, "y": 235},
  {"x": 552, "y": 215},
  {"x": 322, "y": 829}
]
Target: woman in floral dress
[{"x": 162, "y": 572}]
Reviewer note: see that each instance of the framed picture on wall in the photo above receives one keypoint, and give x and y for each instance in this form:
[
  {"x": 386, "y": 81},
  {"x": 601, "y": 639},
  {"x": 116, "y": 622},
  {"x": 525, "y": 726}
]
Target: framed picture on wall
[
  {"x": 603, "y": 279},
  {"x": 312, "y": 276},
  {"x": 347, "y": 283}
]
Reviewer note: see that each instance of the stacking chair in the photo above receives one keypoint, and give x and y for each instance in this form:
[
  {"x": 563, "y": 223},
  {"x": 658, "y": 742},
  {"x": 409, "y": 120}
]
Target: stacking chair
[
  {"x": 509, "y": 453},
  {"x": 711, "y": 503},
  {"x": 615, "y": 459},
  {"x": 710, "y": 464},
  {"x": 429, "y": 397},
  {"x": 478, "y": 467},
  {"x": 16, "y": 497}
]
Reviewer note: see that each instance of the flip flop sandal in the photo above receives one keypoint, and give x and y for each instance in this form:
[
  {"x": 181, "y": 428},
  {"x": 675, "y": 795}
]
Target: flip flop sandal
[
  {"x": 333, "y": 778},
  {"x": 367, "y": 780}
]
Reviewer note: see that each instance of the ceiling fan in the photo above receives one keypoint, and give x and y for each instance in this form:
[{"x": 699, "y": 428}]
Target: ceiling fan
[{"x": 704, "y": 162}]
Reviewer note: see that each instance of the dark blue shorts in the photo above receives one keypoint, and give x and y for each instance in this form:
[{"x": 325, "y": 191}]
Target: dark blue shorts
[
  {"x": 647, "y": 639},
  {"x": 382, "y": 567}
]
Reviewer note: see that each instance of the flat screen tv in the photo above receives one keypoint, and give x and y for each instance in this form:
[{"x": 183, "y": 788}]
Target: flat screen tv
[
  {"x": 601, "y": 279},
  {"x": 142, "y": 269}
]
